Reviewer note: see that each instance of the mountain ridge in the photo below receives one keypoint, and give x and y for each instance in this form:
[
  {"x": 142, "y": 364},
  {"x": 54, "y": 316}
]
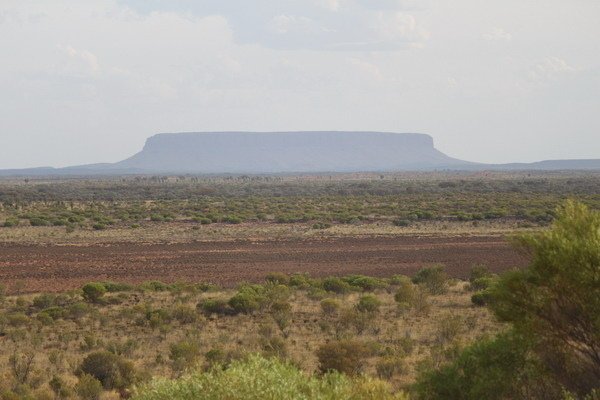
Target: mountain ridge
[{"x": 240, "y": 152}]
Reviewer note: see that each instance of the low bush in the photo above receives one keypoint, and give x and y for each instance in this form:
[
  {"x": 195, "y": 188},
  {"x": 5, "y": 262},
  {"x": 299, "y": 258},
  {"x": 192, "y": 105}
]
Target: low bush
[
  {"x": 258, "y": 378},
  {"x": 9, "y": 223},
  {"x": 154, "y": 286},
  {"x": 113, "y": 371},
  {"x": 278, "y": 278},
  {"x": 481, "y": 283},
  {"x": 336, "y": 285},
  {"x": 368, "y": 304},
  {"x": 365, "y": 283},
  {"x": 114, "y": 287},
  {"x": 405, "y": 294},
  {"x": 88, "y": 388},
  {"x": 346, "y": 356},
  {"x": 244, "y": 303},
  {"x": 93, "y": 292},
  {"x": 489, "y": 369},
  {"x": 481, "y": 298},
  {"x": 300, "y": 281},
  {"x": 401, "y": 222},
  {"x": 214, "y": 306},
  {"x": 479, "y": 271},
  {"x": 433, "y": 278}
]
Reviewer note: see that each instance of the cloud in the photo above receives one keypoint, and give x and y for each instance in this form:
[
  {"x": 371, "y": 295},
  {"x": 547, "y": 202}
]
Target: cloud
[
  {"x": 550, "y": 69},
  {"x": 497, "y": 34},
  {"x": 345, "y": 25},
  {"x": 84, "y": 61}
]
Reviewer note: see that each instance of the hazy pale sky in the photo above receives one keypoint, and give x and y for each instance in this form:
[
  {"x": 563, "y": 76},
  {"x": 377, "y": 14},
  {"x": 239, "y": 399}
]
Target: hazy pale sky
[{"x": 491, "y": 81}]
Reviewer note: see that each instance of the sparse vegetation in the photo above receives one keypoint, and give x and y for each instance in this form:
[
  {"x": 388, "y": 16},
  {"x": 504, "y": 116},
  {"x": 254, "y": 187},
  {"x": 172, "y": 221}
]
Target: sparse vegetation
[{"x": 530, "y": 334}]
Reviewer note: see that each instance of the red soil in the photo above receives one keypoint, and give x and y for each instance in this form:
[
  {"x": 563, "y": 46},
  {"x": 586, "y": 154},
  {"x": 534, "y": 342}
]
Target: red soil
[{"x": 35, "y": 268}]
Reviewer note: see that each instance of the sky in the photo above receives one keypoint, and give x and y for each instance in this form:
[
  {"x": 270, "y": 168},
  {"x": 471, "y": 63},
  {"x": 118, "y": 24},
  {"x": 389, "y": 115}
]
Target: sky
[{"x": 491, "y": 81}]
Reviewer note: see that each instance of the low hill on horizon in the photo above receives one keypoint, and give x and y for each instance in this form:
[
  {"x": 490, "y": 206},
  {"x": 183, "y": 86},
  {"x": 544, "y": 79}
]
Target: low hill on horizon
[{"x": 290, "y": 152}]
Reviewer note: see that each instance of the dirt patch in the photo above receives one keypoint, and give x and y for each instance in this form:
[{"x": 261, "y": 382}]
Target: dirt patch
[{"x": 33, "y": 268}]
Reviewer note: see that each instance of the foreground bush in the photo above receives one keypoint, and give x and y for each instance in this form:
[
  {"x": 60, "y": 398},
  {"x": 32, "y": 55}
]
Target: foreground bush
[
  {"x": 555, "y": 302},
  {"x": 553, "y": 349},
  {"x": 258, "y": 378},
  {"x": 490, "y": 369},
  {"x": 113, "y": 371}
]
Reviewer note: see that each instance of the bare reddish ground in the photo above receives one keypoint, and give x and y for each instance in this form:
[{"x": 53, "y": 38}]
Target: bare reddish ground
[{"x": 35, "y": 268}]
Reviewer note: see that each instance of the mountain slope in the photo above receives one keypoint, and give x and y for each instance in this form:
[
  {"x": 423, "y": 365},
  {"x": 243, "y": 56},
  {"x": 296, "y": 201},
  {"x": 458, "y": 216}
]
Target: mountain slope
[
  {"x": 290, "y": 152},
  {"x": 243, "y": 152}
]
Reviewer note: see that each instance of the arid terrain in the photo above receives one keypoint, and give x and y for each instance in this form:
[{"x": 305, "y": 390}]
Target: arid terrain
[{"x": 33, "y": 268}]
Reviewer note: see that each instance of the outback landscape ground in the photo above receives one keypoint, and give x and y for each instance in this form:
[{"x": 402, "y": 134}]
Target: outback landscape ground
[
  {"x": 160, "y": 276},
  {"x": 34, "y": 268}
]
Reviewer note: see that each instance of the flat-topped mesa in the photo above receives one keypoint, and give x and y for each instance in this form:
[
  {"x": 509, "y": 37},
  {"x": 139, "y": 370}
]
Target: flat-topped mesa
[{"x": 273, "y": 152}]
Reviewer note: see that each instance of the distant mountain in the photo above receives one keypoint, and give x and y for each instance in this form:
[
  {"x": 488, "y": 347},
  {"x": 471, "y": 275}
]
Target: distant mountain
[
  {"x": 290, "y": 152},
  {"x": 242, "y": 152}
]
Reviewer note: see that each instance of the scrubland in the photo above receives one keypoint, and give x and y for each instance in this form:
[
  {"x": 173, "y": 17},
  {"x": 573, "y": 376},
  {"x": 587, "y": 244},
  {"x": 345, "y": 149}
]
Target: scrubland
[
  {"x": 392, "y": 327},
  {"x": 527, "y": 333}
]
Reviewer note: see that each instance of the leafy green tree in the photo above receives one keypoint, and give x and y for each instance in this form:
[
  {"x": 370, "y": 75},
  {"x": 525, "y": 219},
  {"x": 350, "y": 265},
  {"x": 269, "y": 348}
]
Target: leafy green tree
[
  {"x": 555, "y": 302},
  {"x": 491, "y": 369},
  {"x": 93, "y": 291}
]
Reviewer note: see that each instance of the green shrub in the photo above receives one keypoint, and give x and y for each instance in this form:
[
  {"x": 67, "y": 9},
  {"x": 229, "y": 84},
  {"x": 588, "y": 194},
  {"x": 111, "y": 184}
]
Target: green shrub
[
  {"x": 300, "y": 281},
  {"x": 281, "y": 312},
  {"x": 479, "y": 271},
  {"x": 251, "y": 298},
  {"x": 321, "y": 225},
  {"x": 114, "y": 287},
  {"x": 489, "y": 369},
  {"x": 44, "y": 301},
  {"x": 60, "y": 388},
  {"x": 278, "y": 278},
  {"x": 481, "y": 283},
  {"x": 93, "y": 292},
  {"x": 316, "y": 293},
  {"x": 88, "y": 388},
  {"x": 77, "y": 310},
  {"x": 214, "y": 306},
  {"x": 54, "y": 312},
  {"x": 405, "y": 294},
  {"x": 245, "y": 303},
  {"x": 336, "y": 285},
  {"x": 401, "y": 222},
  {"x": 481, "y": 298},
  {"x": 365, "y": 283},
  {"x": 368, "y": 304},
  {"x": 16, "y": 319},
  {"x": 39, "y": 222},
  {"x": 9, "y": 223},
  {"x": 346, "y": 356},
  {"x": 154, "y": 286},
  {"x": 556, "y": 300},
  {"x": 257, "y": 378},
  {"x": 113, "y": 371},
  {"x": 434, "y": 278}
]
